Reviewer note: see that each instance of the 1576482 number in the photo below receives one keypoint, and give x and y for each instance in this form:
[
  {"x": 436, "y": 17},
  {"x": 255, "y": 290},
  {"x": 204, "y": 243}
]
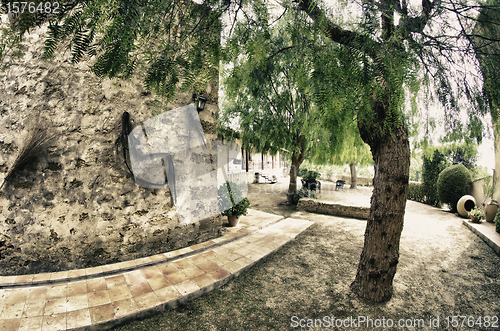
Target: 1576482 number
[
  {"x": 472, "y": 322},
  {"x": 33, "y": 7}
]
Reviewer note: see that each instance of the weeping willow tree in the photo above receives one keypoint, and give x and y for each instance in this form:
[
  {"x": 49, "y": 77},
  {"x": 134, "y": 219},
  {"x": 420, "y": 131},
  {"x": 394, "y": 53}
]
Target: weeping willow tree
[
  {"x": 268, "y": 87},
  {"x": 352, "y": 151},
  {"x": 487, "y": 47},
  {"x": 364, "y": 61}
]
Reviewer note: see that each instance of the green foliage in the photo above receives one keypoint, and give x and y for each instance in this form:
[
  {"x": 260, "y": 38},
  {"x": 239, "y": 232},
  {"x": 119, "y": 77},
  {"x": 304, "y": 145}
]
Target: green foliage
[
  {"x": 302, "y": 193},
  {"x": 305, "y": 193},
  {"x": 416, "y": 192},
  {"x": 487, "y": 46},
  {"x": 497, "y": 222},
  {"x": 436, "y": 159},
  {"x": 230, "y": 200},
  {"x": 476, "y": 215},
  {"x": 416, "y": 164},
  {"x": 328, "y": 170},
  {"x": 310, "y": 174},
  {"x": 453, "y": 183},
  {"x": 174, "y": 45},
  {"x": 431, "y": 168},
  {"x": 488, "y": 187},
  {"x": 267, "y": 90}
]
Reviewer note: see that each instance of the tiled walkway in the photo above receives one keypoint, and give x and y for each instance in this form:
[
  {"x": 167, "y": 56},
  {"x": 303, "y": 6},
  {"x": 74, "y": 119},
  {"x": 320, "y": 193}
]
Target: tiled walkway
[{"x": 101, "y": 297}]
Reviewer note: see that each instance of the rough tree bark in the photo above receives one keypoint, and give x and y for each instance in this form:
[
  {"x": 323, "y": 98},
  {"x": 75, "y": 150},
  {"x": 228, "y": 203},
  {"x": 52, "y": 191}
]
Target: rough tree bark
[
  {"x": 297, "y": 159},
  {"x": 380, "y": 255},
  {"x": 354, "y": 177}
]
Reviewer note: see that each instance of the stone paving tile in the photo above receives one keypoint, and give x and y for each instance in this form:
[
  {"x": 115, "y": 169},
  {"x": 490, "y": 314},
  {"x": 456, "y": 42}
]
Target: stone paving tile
[
  {"x": 34, "y": 308},
  {"x": 148, "y": 300},
  {"x": 98, "y": 298},
  {"x": 83, "y": 303},
  {"x": 31, "y": 323},
  {"x": 24, "y": 279},
  {"x": 9, "y": 324},
  {"x": 158, "y": 282},
  {"x": 54, "y": 322},
  {"x": 102, "y": 313},
  {"x": 76, "y": 273},
  {"x": 57, "y": 291},
  {"x": 124, "y": 307},
  {"x": 96, "y": 284},
  {"x": 77, "y": 302},
  {"x": 168, "y": 293},
  {"x": 55, "y": 306},
  {"x": 78, "y": 318},
  {"x": 18, "y": 296},
  {"x": 76, "y": 288},
  {"x": 119, "y": 293},
  {"x": 12, "y": 311},
  {"x": 168, "y": 269},
  {"x": 176, "y": 278}
]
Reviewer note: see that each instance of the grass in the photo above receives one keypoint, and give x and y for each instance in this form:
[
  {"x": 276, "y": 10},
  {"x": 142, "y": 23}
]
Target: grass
[{"x": 443, "y": 272}]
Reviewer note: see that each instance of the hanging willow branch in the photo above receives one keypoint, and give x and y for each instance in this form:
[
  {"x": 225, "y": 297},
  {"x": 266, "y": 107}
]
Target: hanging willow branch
[{"x": 36, "y": 143}]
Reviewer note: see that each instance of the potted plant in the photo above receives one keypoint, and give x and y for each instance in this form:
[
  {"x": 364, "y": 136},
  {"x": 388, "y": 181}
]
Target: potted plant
[
  {"x": 475, "y": 215},
  {"x": 491, "y": 208},
  {"x": 310, "y": 180},
  {"x": 231, "y": 202}
]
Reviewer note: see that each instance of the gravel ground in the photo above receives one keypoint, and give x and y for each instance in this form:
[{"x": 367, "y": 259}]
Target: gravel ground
[{"x": 445, "y": 270}]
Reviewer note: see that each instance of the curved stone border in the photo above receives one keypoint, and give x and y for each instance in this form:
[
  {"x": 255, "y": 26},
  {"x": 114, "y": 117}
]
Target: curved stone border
[
  {"x": 331, "y": 208},
  {"x": 487, "y": 232}
]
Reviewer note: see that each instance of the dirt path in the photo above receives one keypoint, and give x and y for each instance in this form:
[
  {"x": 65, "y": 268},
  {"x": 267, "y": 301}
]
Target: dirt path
[{"x": 445, "y": 270}]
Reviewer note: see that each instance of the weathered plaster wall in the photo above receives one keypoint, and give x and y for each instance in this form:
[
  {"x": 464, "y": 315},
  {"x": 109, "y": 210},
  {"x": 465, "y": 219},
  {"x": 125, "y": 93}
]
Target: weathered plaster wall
[
  {"x": 77, "y": 205},
  {"x": 331, "y": 208}
]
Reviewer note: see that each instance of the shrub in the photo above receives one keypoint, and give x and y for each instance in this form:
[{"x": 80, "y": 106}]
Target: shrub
[
  {"x": 231, "y": 201},
  {"x": 453, "y": 183},
  {"x": 497, "y": 222},
  {"x": 416, "y": 192},
  {"x": 302, "y": 171},
  {"x": 310, "y": 174},
  {"x": 431, "y": 168}
]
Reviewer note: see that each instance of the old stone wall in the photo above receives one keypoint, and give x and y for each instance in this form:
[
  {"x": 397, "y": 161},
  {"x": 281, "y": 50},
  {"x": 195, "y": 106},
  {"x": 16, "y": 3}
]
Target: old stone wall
[
  {"x": 331, "y": 208},
  {"x": 77, "y": 205}
]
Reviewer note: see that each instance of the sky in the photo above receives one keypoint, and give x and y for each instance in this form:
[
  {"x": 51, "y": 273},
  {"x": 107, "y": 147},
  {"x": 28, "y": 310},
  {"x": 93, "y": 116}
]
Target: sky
[{"x": 486, "y": 149}]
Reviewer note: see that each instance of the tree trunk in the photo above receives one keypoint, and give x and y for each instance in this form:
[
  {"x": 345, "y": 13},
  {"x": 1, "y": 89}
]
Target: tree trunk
[
  {"x": 354, "y": 177},
  {"x": 292, "y": 186},
  {"x": 297, "y": 159},
  {"x": 380, "y": 255}
]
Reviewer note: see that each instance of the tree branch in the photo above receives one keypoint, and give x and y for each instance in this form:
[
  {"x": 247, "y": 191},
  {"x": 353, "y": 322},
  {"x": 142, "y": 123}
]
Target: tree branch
[
  {"x": 277, "y": 52},
  {"x": 336, "y": 33}
]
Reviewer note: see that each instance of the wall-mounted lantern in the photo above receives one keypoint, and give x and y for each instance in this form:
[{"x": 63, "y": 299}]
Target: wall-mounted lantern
[{"x": 200, "y": 103}]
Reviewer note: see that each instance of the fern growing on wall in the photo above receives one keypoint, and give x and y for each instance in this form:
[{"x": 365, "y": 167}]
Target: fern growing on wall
[{"x": 37, "y": 141}]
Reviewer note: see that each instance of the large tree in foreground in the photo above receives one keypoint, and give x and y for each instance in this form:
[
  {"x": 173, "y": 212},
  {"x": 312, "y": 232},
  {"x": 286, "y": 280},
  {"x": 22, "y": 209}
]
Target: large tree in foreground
[
  {"x": 394, "y": 39},
  {"x": 381, "y": 51}
]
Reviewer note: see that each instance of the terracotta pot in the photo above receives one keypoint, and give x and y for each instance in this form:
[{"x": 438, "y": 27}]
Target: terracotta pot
[
  {"x": 233, "y": 220},
  {"x": 475, "y": 219},
  {"x": 465, "y": 205},
  {"x": 490, "y": 211}
]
